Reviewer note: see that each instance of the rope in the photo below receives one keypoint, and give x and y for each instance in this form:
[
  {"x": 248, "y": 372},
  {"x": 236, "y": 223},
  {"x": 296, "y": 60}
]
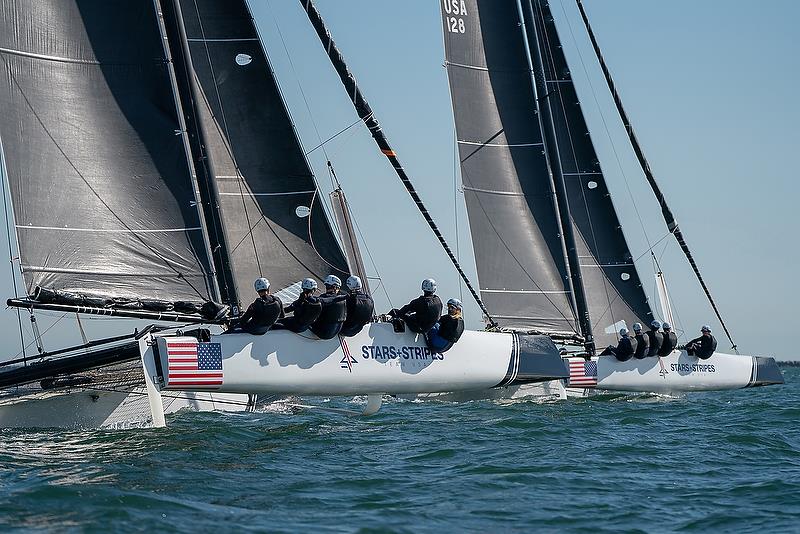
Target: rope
[
  {"x": 226, "y": 136},
  {"x": 669, "y": 219},
  {"x": 10, "y": 247},
  {"x": 605, "y": 126},
  {"x": 557, "y": 92},
  {"x": 363, "y": 109}
]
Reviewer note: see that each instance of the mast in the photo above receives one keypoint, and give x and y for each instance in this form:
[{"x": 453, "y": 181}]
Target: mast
[
  {"x": 669, "y": 219},
  {"x": 190, "y": 99},
  {"x": 534, "y": 54},
  {"x": 367, "y": 115}
]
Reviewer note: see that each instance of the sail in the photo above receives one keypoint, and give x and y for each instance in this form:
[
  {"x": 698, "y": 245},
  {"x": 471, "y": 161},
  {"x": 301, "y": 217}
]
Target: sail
[
  {"x": 614, "y": 292},
  {"x": 101, "y": 187},
  {"x": 509, "y": 195},
  {"x": 272, "y": 210}
]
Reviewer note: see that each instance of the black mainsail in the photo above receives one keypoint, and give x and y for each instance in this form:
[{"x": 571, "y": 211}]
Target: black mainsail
[
  {"x": 100, "y": 181},
  {"x": 502, "y": 155},
  {"x": 272, "y": 210},
  {"x": 510, "y": 197},
  {"x": 614, "y": 292}
]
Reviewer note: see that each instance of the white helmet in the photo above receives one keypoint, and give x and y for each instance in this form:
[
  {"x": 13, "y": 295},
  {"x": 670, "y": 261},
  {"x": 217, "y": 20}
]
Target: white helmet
[
  {"x": 705, "y": 328},
  {"x": 353, "y": 282},
  {"x": 637, "y": 327},
  {"x": 333, "y": 280},
  {"x": 623, "y": 332},
  {"x": 309, "y": 283},
  {"x": 655, "y": 325},
  {"x": 261, "y": 284},
  {"x": 666, "y": 326},
  {"x": 455, "y": 303},
  {"x": 429, "y": 285}
]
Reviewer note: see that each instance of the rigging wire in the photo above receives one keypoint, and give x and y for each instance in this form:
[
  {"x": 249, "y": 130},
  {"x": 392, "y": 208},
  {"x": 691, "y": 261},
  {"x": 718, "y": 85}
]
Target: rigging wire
[
  {"x": 605, "y": 125},
  {"x": 9, "y": 222},
  {"x": 374, "y": 127},
  {"x": 226, "y": 135},
  {"x": 58, "y": 147},
  {"x": 334, "y": 136},
  {"x": 456, "y": 190},
  {"x": 669, "y": 219},
  {"x": 33, "y": 342},
  {"x": 322, "y": 145},
  {"x": 557, "y": 91}
]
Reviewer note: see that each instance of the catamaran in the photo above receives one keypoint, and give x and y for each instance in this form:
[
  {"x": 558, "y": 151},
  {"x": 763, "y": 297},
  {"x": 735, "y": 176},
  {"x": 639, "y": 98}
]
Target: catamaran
[
  {"x": 154, "y": 173},
  {"x": 550, "y": 252}
]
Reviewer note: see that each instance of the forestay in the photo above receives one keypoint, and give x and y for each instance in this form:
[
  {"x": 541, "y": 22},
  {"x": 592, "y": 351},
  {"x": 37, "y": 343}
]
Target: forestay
[
  {"x": 272, "y": 211},
  {"x": 100, "y": 182}
]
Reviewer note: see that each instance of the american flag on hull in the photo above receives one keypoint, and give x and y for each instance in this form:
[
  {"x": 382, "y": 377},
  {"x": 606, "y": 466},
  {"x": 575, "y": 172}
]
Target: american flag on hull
[
  {"x": 582, "y": 373},
  {"x": 193, "y": 365}
]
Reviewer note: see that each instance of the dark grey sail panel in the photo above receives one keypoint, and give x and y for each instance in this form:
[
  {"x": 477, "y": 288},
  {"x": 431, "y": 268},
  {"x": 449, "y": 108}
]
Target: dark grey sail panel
[
  {"x": 613, "y": 287},
  {"x": 262, "y": 174},
  {"x": 509, "y": 196},
  {"x": 100, "y": 183}
]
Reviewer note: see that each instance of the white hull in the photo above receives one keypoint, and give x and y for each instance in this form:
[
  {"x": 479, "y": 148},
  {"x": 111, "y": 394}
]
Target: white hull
[
  {"x": 377, "y": 360},
  {"x": 679, "y": 372}
]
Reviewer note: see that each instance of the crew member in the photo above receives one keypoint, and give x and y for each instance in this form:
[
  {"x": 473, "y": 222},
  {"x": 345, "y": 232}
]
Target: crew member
[
  {"x": 421, "y": 313},
  {"x": 360, "y": 308},
  {"x": 306, "y": 309},
  {"x": 334, "y": 309},
  {"x": 263, "y": 312},
  {"x": 704, "y": 346},
  {"x": 642, "y": 343},
  {"x": 448, "y": 330},
  {"x": 624, "y": 349},
  {"x": 654, "y": 339},
  {"x": 670, "y": 340}
]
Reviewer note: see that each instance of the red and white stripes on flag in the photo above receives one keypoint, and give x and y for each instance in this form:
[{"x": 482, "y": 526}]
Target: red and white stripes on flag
[
  {"x": 582, "y": 373},
  {"x": 193, "y": 365}
]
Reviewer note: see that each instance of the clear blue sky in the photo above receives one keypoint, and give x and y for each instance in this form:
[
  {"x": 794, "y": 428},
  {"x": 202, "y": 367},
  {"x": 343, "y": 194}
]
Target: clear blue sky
[{"x": 710, "y": 88}]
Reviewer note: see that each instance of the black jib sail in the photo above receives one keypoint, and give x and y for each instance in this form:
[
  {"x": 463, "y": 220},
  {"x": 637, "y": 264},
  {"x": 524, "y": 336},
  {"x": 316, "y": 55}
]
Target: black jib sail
[
  {"x": 510, "y": 196},
  {"x": 272, "y": 210},
  {"x": 614, "y": 292},
  {"x": 100, "y": 181}
]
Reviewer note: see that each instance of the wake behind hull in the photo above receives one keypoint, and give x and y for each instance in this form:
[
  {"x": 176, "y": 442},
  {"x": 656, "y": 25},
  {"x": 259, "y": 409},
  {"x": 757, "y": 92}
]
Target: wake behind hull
[{"x": 91, "y": 408}]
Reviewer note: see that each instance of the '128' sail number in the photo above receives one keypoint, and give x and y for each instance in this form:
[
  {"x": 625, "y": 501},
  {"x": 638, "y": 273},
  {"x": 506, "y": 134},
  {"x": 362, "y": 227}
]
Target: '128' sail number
[{"x": 454, "y": 7}]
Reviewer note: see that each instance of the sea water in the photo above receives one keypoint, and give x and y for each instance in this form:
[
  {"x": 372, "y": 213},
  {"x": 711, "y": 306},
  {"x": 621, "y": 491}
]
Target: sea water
[{"x": 721, "y": 461}]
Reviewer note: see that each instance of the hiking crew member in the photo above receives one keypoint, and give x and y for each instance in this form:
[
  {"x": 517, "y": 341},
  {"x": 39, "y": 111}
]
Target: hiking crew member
[
  {"x": 448, "y": 330},
  {"x": 654, "y": 338},
  {"x": 306, "y": 309},
  {"x": 704, "y": 346},
  {"x": 670, "y": 340},
  {"x": 334, "y": 309},
  {"x": 642, "y": 343},
  {"x": 421, "y": 313},
  {"x": 360, "y": 308},
  {"x": 624, "y": 349},
  {"x": 263, "y": 312}
]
